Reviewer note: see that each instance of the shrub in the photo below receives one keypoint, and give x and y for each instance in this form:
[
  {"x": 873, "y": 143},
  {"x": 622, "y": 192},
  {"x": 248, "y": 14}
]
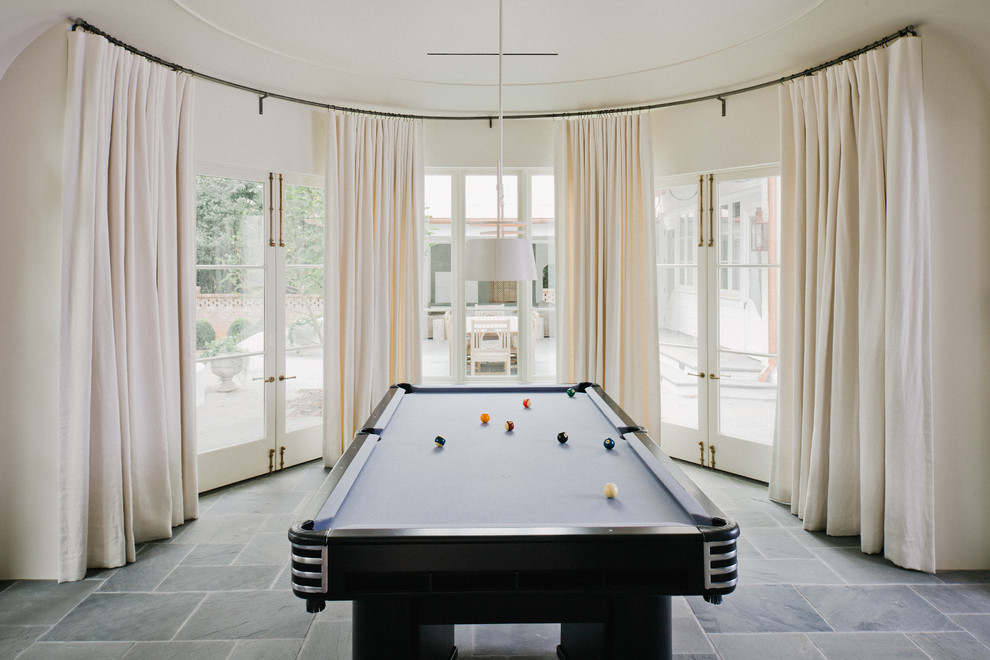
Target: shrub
[
  {"x": 238, "y": 327},
  {"x": 204, "y": 334}
]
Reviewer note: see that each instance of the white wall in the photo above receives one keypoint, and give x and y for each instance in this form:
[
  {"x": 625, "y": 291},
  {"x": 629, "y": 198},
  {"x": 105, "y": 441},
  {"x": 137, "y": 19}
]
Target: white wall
[
  {"x": 957, "y": 109},
  {"x": 32, "y": 104},
  {"x": 471, "y": 143},
  {"x": 289, "y": 138},
  {"x": 696, "y": 138}
]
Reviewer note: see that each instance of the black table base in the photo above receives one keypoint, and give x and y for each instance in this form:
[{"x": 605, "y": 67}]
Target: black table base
[{"x": 593, "y": 627}]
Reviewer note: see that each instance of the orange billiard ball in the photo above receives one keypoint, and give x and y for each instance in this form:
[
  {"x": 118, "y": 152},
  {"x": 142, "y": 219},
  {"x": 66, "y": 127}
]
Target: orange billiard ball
[
  {"x": 509, "y": 425},
  {"x": 526, "y": 403},
  {"x": 485, "y": 417}
]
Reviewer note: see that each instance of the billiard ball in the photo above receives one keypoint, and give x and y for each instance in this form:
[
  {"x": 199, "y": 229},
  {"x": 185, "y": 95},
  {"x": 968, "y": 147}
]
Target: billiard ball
[
  {"x": 570, "y": 391},
  {"x": 561, "y": 437},
  {"x": 440, "y": 441},
  {"x": 609, "y": 443},
  {"x": 611, "y": 490},
  {"x": 485, "y": 417},
  {"x": 526, "y": 403},
  {"x": 509, "y": 425}
]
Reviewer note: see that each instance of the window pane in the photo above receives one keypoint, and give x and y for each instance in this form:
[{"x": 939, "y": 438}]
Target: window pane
[
  {"x": 544, "y": 296},
  {"x": 748, "y": 222},
  {"x": 229, "y": 223},
  {"x": 481, "y": 204},
  {"x": 747, "y": 396},
  {"x": 436, "y": 278},
  {"x": 747, "y": 315},
  {"x": 677, "y": 225}
]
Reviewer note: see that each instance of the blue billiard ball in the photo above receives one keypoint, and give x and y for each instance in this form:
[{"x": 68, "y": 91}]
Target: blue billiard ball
[
  {"x": 561, "y": 437},
  {"x": 570, "y": 391},
  {"x": 440, "y": 441},
  {"x": 609, "y": 443}
]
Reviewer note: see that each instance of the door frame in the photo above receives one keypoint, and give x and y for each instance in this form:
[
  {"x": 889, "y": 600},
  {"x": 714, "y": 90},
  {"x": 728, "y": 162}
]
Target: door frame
[
  {"x": 276, "y": 448},
  {"x": 707, "y": 445}
]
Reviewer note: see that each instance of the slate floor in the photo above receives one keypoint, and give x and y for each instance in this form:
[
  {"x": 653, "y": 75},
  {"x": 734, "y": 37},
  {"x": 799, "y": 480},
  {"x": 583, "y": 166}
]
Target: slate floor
[{"x": 220, "y": 589}]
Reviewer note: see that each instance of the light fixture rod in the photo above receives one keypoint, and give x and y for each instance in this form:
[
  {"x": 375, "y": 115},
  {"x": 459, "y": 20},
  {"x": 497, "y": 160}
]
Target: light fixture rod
[{"x": 500, "y": 191}]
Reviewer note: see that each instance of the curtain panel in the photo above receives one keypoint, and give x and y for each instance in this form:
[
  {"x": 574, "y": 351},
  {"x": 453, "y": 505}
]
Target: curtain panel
[
  {"x": 606, "y": 259},
  {"x": 373, "y": 241},
  {"x": 126, "y": 451},
  {"x": 854, "y": 451}
]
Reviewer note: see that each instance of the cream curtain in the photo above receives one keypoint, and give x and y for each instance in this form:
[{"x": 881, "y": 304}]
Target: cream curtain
[
  {"x": 373, "y": 242},
  {"x": 606, "y": 261},
  {"x": 854, "y": 450},
  {"x": 127, "y": 455}
]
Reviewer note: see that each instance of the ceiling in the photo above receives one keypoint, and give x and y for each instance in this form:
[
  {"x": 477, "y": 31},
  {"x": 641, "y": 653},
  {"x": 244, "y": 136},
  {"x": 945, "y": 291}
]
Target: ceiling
[{"x": 374, "y": 54}]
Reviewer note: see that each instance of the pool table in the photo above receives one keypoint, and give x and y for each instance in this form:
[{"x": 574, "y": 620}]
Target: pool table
[{"x": 499, "y": 526}]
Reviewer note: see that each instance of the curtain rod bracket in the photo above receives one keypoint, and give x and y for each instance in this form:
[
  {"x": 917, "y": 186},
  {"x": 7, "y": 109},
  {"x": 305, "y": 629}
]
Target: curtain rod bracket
[
  {"x": 719, "y": 98},
  {"x": 261, "y": 103}
]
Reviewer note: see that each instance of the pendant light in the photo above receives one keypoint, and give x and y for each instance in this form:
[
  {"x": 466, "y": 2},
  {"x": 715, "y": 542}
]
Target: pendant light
[{"x": 499, "y": 259}]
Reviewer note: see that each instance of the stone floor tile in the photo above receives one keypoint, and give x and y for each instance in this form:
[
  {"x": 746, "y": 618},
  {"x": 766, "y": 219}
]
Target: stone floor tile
[
  {"x": 957, "y": 598},
  {"x": 248, "y": 615},
  {"x": 219, "y": 578},
  {"x": 793, "y": 646},
  {"x": 121, "y": 617},
  {"x": 41, "y": 602},
  {"x": 327, "y": 640},
  {"x": 977, "y": 625},
  {"x": 950, "y": 645},
  {"x": 14, "y": 639},
  {"x": 267, "y": 649},
  {"x": 153, "y": 563},
  {"x": 875, "y": 608},
  {"x": 756, "y": 609},
  {"x": 180, "y": 651},
  {"x": 868, "y": 646},
  {"x": 76, "y": 651}
]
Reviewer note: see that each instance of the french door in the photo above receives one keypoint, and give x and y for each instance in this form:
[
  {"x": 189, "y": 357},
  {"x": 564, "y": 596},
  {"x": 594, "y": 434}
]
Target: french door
[
  {"x": 717, "y": 276},
  {"x": 259, "y": 322}
]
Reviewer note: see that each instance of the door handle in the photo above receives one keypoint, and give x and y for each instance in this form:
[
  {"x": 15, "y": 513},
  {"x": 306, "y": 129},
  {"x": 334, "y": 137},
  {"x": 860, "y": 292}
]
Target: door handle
[
  {"x": 701, "y": 375},
  {"x": 714, "y": 377},
  {"x": 283, "y": 377},
  {"x": 701, "y": 211},
  {"x": 270, "y": 379},
  {"x": 281, "y": 199},
  {"x": 271, "y": 209}
]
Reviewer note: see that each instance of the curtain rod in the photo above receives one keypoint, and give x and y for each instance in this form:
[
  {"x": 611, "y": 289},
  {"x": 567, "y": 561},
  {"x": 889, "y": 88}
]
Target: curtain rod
[{"x": 721, "y": 96}]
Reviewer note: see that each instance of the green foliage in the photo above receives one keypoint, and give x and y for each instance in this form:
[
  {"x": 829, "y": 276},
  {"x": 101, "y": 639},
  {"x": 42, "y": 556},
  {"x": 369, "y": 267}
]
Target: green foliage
[
  {"x": 204, "y": 333},
  {"x": 222, "y": 207},
  {"x": 226, "y": 346},
  {"x": 241, "y": 328}
]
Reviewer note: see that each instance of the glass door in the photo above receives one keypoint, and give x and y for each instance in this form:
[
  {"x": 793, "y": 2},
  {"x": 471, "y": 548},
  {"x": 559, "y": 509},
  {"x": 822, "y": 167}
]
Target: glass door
[
  {"x": 259, "y": 315},
  {"x": 718, "y": 269}
]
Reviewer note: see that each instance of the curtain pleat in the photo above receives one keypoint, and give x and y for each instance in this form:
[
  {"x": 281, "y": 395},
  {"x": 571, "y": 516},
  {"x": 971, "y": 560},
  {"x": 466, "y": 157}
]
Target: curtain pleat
[
  {"x": 854, "y": 437},
  {"x": 373, "y": 239},
  {"x": 127, "y": 379},
  {"x": 606, "y": 260}
]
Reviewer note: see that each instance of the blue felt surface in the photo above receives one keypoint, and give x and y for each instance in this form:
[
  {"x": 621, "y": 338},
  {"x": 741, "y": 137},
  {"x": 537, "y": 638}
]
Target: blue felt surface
[{"x": 486, "y": 477}]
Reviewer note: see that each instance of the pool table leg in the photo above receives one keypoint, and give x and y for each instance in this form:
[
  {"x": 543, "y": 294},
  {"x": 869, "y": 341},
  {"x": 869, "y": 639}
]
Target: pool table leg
[
  {"x": 387, "y": 628},
  {"x": 638, "y": 627}
]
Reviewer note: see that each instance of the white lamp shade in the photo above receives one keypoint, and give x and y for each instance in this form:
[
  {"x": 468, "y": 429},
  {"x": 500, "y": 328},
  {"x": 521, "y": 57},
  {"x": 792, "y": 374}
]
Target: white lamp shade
[{"x": 499, "y": 260}]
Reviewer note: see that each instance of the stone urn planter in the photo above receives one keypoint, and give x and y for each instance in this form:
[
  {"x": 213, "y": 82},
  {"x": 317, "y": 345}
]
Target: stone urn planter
[
  {"x": 225, "y": 368},
  {"x": 226, "y": 363}
]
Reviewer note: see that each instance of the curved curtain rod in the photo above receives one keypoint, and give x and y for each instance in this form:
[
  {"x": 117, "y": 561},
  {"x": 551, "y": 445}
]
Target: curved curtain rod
[{"x": 262, "y": 95}]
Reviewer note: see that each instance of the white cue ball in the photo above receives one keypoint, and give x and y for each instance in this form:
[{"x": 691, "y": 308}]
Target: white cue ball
[{"x": 611, "y": 490}]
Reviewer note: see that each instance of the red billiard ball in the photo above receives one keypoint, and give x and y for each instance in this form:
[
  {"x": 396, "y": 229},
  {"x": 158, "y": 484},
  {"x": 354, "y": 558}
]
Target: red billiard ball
[
  {"x": 526, "y": 403},
  {"x": 509, "y": 425}
]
